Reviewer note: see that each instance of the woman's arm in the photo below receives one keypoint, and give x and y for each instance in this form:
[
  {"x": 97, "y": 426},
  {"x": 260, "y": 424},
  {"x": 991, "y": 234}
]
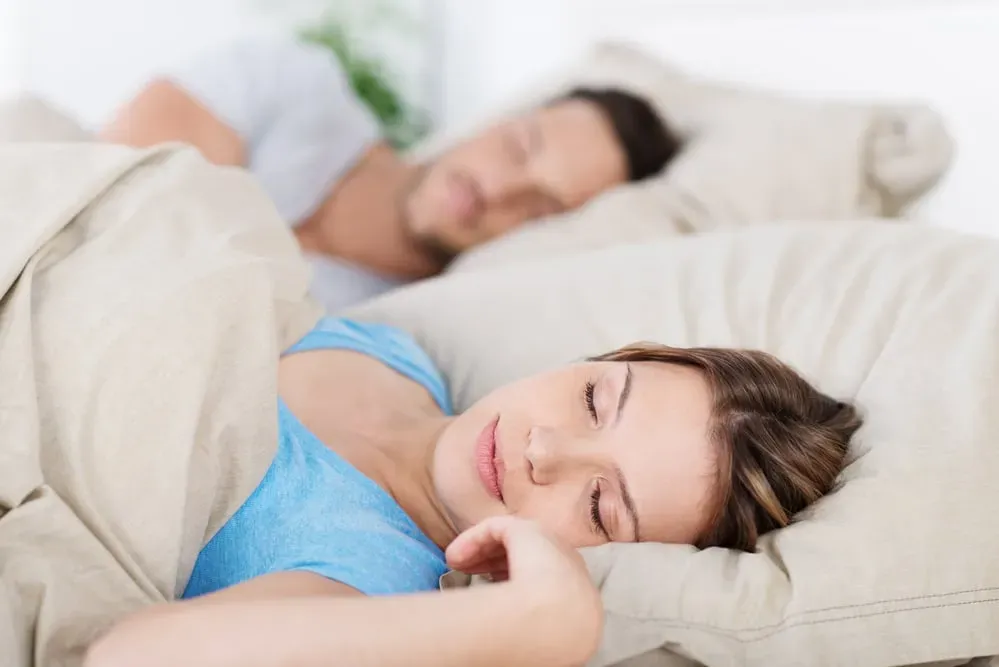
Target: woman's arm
[
  {"x": 301, "y": 619},
  {"x": 546, "y": 614}
]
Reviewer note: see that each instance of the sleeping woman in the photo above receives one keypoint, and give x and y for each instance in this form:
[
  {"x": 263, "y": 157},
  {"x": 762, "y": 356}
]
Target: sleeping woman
[{"x": 378, "y": 489}]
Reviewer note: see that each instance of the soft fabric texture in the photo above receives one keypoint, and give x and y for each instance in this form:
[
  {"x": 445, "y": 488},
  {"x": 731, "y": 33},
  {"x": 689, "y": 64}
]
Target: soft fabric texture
[
  {"x": 28, "y": 118},
  {"x": 314, "y": 511},
  {"x": 897, "y": 567},
  {"x": 751, "y": 157},
  {"x": 131, "y": 426}
]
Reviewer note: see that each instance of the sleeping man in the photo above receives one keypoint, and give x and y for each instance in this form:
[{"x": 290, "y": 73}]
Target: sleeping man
[{"x": 367, "y": 218}]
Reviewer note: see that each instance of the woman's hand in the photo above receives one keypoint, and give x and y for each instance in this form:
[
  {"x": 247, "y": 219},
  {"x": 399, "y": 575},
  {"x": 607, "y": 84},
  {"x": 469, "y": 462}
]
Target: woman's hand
[
  {"x": 547, "y": 615},
  {"x": 546, "y": 572}
]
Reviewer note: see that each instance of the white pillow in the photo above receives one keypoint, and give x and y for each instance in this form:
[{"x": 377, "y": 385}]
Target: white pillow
[{"x": 899, "y": 565}]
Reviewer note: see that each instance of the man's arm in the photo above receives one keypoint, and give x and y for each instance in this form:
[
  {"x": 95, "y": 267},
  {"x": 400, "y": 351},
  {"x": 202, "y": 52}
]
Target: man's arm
[
  {"x": 284, "y": 108},
  {"x": 162, "y": 112}
]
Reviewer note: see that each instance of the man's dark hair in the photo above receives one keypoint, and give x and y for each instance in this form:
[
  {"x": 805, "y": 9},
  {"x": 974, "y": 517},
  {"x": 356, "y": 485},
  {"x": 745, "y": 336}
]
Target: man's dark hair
[{"x": 647, "y": 141}]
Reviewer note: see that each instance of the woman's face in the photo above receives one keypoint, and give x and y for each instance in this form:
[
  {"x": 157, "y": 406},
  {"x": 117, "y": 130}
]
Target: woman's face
[{"x": 597, "y": 452}]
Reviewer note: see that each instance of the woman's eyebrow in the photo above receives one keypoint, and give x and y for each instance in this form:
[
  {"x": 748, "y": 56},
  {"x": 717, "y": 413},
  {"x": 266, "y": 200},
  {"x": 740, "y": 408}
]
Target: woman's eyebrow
[
  {"x": 629, "y": 502},
  {"x": 622, "y": 399}
]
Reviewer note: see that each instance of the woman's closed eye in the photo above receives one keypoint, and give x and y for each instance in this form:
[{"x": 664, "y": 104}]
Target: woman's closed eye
[
  {"x": 600, "y": 402},
  {"x": 596, "y": 519},
  {"x": 589, "y": 398}
]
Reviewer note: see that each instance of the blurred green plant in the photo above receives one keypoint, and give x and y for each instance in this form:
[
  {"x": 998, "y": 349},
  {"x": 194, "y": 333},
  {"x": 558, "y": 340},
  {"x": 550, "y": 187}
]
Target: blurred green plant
[
  {"x": 403, "y": 123},
  {"x": 352, "y": 31}
]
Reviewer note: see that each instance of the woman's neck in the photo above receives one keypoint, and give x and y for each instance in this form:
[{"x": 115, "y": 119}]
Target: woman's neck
[
  {"x": 361, "y": 220},
  {"x": 386, "y": 427},
  {"x": 405, "y": 471}
]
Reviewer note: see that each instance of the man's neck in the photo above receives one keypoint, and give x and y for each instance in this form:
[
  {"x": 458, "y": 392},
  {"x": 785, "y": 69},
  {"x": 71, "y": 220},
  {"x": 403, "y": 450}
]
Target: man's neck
[{"x": 361, "y": 220}]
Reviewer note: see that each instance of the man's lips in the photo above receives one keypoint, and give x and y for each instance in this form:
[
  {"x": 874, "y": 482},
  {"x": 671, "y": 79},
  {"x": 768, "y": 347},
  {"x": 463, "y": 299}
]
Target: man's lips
[
  {"x": 489, "y": 465},
  {"x": 465, "y": 199}
]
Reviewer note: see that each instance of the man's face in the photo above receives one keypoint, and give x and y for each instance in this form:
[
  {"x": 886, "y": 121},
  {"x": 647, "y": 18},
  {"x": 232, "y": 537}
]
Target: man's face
[{"x": 551, "y": 160}]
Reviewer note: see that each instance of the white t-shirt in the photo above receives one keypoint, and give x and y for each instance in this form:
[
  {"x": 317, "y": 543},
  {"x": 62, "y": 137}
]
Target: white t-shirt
[{"x": 303, "y": 128}]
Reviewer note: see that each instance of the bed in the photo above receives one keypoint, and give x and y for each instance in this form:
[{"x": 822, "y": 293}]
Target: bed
[{"x": 856, "y": 305}]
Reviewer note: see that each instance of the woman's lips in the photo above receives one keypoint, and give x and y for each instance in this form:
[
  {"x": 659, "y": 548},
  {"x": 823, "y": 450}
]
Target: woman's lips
[{"x": 487, "y": 462}]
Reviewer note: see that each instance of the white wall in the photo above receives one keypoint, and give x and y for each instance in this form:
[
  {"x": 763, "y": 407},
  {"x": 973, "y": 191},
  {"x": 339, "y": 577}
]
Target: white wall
[
  {"x": 491, "y": 46},
  {"x": 497, "y": 46},
  {"x": 932, "y": 51},
  {"x": 10, "y": 47},
  {"x": 87, "y": 56}
]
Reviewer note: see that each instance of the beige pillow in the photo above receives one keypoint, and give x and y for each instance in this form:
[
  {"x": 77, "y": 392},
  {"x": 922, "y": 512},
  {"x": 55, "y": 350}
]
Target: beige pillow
[
  {"x": 899, "y": 566},
  {"x": 751, "y": 156}
]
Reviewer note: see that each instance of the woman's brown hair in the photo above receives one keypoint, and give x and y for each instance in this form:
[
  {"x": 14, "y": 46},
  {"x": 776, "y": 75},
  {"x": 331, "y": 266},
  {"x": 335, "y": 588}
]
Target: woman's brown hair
[{"x": 781, "y": 442}]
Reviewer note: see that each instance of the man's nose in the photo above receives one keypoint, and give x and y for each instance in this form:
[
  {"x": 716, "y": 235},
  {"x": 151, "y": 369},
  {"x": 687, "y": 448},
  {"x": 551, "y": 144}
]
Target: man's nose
[{"x": 504, "y": 186}]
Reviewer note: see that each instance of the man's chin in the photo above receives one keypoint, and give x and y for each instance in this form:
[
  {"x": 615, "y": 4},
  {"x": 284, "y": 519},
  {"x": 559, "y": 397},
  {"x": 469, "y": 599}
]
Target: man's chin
[{"x": 434, "y": 248}]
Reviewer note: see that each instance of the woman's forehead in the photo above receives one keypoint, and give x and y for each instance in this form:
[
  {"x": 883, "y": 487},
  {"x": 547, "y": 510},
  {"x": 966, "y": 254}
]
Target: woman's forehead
[{"x": 665, "y": 450}]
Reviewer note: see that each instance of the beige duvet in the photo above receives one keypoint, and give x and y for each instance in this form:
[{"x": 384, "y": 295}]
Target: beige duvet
[{"x": 146, "y": 297}]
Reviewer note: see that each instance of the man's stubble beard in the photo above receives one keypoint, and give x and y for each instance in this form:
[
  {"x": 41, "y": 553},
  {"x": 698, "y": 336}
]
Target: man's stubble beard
[{"x": 427, "y": 244}]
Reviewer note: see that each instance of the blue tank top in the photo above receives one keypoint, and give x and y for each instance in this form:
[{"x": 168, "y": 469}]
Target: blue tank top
[{"x": 314, "y": 512}]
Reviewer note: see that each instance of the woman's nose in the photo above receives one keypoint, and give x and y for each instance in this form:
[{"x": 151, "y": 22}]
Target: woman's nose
[{"x": 551, "y": 453}]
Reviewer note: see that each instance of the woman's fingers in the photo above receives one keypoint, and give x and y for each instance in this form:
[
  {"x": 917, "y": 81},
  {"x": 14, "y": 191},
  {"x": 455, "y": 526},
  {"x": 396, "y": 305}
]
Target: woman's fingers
[
  {"x": 499, "y": 575},
  {"x": 493, "y": 543},
  {"x": 478, "y": 544},
  {"x": 474, "y": 554},
  {"x": 490, "y": 566}
]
